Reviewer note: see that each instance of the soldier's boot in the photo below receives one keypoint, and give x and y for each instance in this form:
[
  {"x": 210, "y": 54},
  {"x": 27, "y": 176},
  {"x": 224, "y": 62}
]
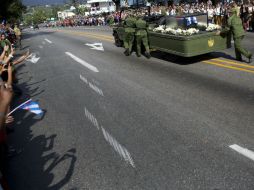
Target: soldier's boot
[
  {"x": 250, "y": 59},
  {"x": 138, "y": 51},
  {"x": 147, "y": 55},
  {"x": 127, "y": 52}
]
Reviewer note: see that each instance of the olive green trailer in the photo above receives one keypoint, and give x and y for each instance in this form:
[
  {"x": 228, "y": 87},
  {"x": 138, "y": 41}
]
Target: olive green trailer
[
  {"x": 185, "y": 46},
  {"x": 188, "y": 46},
  {"x": 182, "y": 45}
]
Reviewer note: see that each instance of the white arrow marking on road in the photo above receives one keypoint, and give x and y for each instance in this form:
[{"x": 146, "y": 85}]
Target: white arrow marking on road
[
  {"x": 96, "y": 46},
  {"x": 32, "y": 58},
  {"x": 82, "y": 62},
  {"x": 48, "y": 41},
  {"x": 244, "y": 151}
]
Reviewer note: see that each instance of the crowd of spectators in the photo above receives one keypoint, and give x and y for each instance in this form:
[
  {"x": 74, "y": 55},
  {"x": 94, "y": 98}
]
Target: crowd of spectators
[
  {"x": 217, "y": 14},
  {"x": 10, "y": 37},
  {"x": 78, "y": 20}
]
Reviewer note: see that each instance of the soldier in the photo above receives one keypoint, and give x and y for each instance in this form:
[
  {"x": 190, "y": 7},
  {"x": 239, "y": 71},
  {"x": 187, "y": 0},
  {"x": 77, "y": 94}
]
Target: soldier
[
  {"x": 236, "y": 27},
  {"x": 141, "y": 37},
  {"x": 129, "y": 34}
]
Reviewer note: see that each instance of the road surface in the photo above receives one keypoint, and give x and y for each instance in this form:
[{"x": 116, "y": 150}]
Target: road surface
[{"x": 114, "y": 122}]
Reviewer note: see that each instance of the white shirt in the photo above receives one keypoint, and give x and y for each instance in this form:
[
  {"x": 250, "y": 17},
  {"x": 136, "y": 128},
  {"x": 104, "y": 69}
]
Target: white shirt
[
  {"x": 210, "y": 13},
  {"x": 217, "y": 11}
]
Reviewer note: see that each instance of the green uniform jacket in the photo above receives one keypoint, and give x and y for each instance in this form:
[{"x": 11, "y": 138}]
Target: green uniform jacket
[
  {"x": 130, "y": 24},
  {"x": 141, "y": 26},
  {"x": 235, "y": 26}
]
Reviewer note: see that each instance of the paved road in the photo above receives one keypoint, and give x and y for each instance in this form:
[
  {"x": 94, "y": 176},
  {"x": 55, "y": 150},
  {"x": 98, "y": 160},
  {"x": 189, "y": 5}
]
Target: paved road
[{"x": 116, "y": 122}]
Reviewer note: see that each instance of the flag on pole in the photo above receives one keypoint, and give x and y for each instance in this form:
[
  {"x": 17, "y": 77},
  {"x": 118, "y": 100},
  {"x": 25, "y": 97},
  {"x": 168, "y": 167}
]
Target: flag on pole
[{"x": 32, "y": 107}]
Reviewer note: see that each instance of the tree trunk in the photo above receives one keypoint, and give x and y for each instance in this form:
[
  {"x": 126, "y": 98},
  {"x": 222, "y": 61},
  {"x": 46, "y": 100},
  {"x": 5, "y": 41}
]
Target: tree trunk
[{"x": 117, "y": 4}]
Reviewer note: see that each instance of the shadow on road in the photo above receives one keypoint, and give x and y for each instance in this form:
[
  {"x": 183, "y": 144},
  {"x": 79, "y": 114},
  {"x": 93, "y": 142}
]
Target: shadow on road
[
  {"x": 189, "y": 60},
  {"x": 36, "y": 166},
  {"x": 37, "y": 33}
]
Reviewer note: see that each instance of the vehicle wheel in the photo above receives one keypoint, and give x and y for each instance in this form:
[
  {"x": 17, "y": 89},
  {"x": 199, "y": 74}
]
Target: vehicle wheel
[{"x": 118, "y": 42}]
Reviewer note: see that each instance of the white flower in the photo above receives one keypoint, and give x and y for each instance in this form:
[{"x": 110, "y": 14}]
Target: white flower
[
  {"x": 212, "y": 27},
  {"x": 178, "y": 31},
  {"x": 159, "y": 29},
  {"x": 202, "y": 24}
]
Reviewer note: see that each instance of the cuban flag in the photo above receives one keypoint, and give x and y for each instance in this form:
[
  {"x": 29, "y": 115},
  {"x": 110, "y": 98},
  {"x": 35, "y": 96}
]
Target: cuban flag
[{"x": 32, "y": 107}]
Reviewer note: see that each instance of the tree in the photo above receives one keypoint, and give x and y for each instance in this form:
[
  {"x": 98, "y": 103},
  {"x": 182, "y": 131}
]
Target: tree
[
  {"x": 117, "y": 3},
  {"x": 82, "y": 10},
  {"x": 11, "y": 10},
  {"x": 55, "y": 9}
]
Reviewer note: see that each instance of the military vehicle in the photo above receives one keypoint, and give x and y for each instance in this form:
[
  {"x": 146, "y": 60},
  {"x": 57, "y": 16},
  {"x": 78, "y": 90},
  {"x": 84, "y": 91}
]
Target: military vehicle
[{"x": 186, "y": 35}]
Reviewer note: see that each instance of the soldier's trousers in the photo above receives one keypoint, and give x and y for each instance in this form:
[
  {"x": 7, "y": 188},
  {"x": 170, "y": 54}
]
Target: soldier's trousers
[
  {"x": 239, "y": 50},
  {"x": 141, "y": 38},
  {"x": 128, "y": 40}
]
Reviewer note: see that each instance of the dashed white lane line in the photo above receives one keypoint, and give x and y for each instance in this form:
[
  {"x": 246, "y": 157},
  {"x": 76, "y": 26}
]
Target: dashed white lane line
[
  {"x": 92, "y": 119},
  {"x": 92, "y": 86},
  {"x": 244, "y": 151},
  {"x": 47, "y": 40},
  {"x": 82, "y": 62},
  {"x": 122, "y": 151}
]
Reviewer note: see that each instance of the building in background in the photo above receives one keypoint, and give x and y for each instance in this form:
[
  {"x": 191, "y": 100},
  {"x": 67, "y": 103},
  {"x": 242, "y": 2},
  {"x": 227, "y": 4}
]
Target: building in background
[
  {"x": 100, "y": 6},
  {"x": 65, "y": 14}
]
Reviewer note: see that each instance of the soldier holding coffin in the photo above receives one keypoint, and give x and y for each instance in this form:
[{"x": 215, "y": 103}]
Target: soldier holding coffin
[
  {"x": 141, "y": 37},
  {"x": 129, "y": 33},
  {"x": 235, "y": 26}
]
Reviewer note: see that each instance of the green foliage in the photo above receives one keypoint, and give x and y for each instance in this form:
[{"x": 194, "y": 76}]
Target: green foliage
[
  {"x": 40, "y": 14},
  {"x": 117, "y": 3},
  {"x": 82, "y": 10},
  {"x": 11, "y": 10}
]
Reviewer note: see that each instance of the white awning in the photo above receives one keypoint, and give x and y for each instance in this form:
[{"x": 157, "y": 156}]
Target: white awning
[{"x": 98, "y": 1}]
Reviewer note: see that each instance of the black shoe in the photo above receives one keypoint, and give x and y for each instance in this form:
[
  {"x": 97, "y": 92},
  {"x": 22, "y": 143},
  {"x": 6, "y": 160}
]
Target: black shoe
[
  {"x": 147, "y": 55},
  {"x": 250, "y": 59},
  {"x": 138, "y": 55},
  {"x": 127, "y": 52}
]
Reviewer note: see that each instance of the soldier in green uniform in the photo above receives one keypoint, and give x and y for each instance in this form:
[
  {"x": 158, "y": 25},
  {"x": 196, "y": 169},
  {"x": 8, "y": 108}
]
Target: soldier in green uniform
[
  {"x": 129, "y": 34},
  {"x": 236, "y": 27},
  {"x": 141, "y": 37}
]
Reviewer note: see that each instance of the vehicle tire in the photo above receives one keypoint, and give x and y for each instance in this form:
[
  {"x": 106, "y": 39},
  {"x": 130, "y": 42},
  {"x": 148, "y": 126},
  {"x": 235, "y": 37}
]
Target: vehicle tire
[{"x": 118, "y": 42}]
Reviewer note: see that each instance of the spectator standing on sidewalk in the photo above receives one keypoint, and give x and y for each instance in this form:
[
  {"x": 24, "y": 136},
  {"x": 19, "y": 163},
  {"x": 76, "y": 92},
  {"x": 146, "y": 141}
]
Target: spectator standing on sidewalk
[
  {"x": 218, "y": 18},
  {"x": 18, "y": 35}
]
